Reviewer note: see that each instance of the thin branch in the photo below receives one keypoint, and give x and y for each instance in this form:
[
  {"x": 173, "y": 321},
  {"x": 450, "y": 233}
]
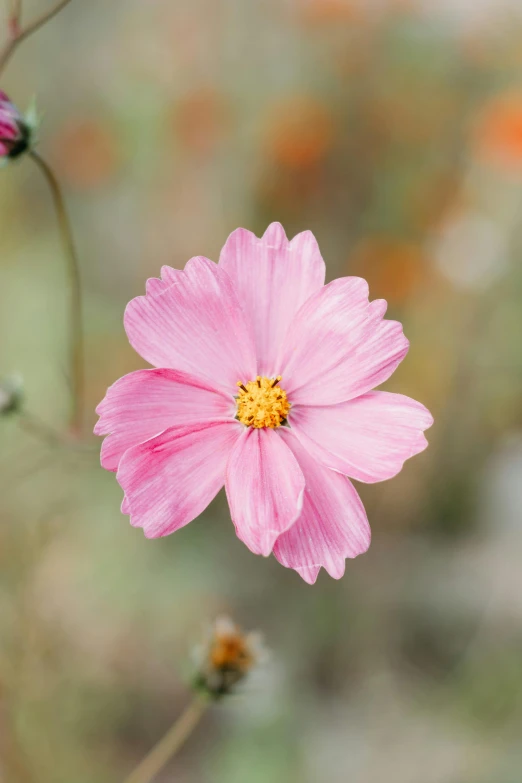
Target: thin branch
[
  {"x": 15, "y": 18},
  {"x": 76, "y": 347},
  {"x": 18, "y": 35}
]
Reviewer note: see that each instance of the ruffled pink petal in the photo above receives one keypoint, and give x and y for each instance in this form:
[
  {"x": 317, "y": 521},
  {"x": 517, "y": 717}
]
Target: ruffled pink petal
[
  {"x": 147, "y": 402},
  {"x": 368, "y": 438},
  {"x": 155, "y": 285},
  {"x": 196, "y": 326},
  {"x": 338, "y": 347},
  {"x": 377, "y": 309},
  {"x": 273, "y": 278},
  {"x": 264, "y": 486},
  {"x": 170, "y": 479},
  {"x": 332, "y": 525}
]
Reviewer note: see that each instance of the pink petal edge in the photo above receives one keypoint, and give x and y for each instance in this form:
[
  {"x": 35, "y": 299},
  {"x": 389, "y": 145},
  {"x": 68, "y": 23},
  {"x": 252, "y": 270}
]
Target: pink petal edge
[
  {"x": 155, "y": 285},
  {"x": 273, "y": 278},
  {"x": 171, "y": 478},
  {"x": 147, "y": 402},
  {"x": 264, "y": 486},
  {"x": 195, "y": 326},
  {"x": 332, "y": 526},
  {"x": 338, "y": 346},
  {"x": 368, "y": 438}
]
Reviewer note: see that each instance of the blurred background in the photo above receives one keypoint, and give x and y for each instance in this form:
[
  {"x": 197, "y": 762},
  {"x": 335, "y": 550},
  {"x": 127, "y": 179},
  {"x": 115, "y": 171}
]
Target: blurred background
[{"x": 392, "y": 130}]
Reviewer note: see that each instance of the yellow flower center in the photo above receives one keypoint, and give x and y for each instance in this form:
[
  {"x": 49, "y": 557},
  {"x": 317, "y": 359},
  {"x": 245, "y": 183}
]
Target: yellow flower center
[{"x": 262, "y": 403}]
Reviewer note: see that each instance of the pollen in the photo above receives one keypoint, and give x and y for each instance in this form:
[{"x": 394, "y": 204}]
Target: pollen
[{"x": 262, "y": 403}]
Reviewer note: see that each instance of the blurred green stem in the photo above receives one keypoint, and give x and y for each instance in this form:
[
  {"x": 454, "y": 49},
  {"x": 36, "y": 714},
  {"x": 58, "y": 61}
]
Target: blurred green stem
[
  {"x": 76, "y": 351},
  {"x": 18, "y": 34},
  {"x": 169, "y": 745}
]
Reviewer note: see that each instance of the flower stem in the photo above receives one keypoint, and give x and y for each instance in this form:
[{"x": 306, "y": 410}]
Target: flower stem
[
  {"x": 76, "y": 350},
  {"x": 15, "y": 18},
  {"x": 20, "y": 34},
  {"x": 169, "y": 745}
]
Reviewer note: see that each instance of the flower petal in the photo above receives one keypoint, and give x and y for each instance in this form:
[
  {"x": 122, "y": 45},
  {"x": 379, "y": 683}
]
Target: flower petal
[
  {"x": 196, "y": 326},
  {"x": 273, "y": 278},
  {"x": 147, "y": 402},
  {"x": 170, "y": 479},
  {"x": 332, "y": 525},
  {"x": 368, "y": 438},
  {"x": 264, "y": 486},
  {"x": 155, "y": 285},
  {"x": 338, "y": 346}
]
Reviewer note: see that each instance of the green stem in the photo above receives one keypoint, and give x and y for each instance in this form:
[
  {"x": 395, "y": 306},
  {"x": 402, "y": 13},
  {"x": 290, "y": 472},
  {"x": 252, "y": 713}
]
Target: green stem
[
  {"x": 76, "y": 347},
  {"x": 169, "y": 745}
]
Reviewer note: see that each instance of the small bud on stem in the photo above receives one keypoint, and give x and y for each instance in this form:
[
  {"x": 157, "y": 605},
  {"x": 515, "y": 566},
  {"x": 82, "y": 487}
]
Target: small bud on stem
[
  {"x": 16, "y": 130},
  {"x": 226, "y": 658}
]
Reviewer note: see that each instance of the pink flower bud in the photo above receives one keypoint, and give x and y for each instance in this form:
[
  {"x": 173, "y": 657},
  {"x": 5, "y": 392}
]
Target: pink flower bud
[{"x": 15, "y": 130}]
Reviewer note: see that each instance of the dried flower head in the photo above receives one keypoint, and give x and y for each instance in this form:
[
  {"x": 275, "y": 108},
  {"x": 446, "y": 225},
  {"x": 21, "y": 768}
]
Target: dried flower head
[
  {"x": 17, "y": 131},
  {"x": 11, "y": 395},
  {"x": 226, "y": 658}
]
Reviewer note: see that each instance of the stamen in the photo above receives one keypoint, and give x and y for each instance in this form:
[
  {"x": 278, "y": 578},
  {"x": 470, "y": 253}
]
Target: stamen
[{"x": 260, "y": 404}]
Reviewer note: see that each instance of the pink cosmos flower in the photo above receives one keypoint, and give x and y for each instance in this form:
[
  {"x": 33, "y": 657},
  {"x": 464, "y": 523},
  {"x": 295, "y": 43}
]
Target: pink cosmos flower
[
  {"x": 15, "y": 132},
  {"x": 264, "y": 385}
]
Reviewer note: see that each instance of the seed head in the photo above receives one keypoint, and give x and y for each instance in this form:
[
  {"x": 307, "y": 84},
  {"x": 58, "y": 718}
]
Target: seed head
[{"x": 226, "y": 658}]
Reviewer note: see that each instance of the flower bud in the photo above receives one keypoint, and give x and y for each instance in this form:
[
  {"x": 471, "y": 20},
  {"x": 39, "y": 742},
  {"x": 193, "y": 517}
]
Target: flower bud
[
  {"x": 226, "y": 658},
  {"x": 16, "y": 130}
]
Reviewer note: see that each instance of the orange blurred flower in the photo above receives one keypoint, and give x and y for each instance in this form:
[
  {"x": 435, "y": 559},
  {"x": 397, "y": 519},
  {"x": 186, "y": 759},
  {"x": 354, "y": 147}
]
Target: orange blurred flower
[
  {"x": 85, "y": 153},
  {"x": 200, "y": 120},
  {"x": 326, "y": 11},
  {"x": 300, "y": 133},
  {"x": 498, "y": 131},
  {"x": 393, "y": 267},
  {"x": 350, "y": 11}
]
